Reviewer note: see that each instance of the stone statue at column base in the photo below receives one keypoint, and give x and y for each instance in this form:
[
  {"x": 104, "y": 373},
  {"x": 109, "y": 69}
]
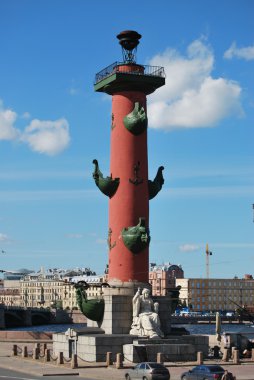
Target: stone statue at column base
[{"x": 146, "y": 320}]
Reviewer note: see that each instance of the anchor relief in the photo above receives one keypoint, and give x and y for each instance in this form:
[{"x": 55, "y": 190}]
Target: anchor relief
[
  {"x": 110, "y": 244},
  {"x": 136, "y": 180}
]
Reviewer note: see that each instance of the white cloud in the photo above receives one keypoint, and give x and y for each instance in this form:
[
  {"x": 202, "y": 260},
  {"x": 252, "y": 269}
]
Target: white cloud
[
  {"x": 101, "y": 241},
  {"x": 189, "y": 247},
  {"x": 246, "y": 53},
  {"x": 43, "y": 136},
  {"x": 191, "y": 97},
  {"x": 209, "y": 192},
  {"x": 74, "y": 88},
  {"x": 74, "y": 91},
  {"x": 46, "y": 136},
  {"x": 234, "y": 245},
  {"x": 48, "y": 195},
  {"x": 74, "y": 236},
  {"x": 3, "y": 237},
  {"x": 26, "y": 115},
  {"x": 7, "y": 120}
]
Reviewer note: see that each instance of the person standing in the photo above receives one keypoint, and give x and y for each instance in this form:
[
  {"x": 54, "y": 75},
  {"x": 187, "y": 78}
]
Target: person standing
[{"x": 228, "y": 376}]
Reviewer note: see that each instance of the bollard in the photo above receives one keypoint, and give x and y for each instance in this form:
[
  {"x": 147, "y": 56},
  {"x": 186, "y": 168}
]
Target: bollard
[
  {"x": 60, "y": 359},
  {"x": 200, "y": 357},
  {"x": 37, "y": 345},
  {"x": 160, "y": 357},
  {"x": 119, "y": 361},
  {"x": 252, "y": 354},
  {"x": 74, "y": 361},
  {"x": 15, "y": 350},
  {"x": 25, "y": 353},
  {"x": 109, "y": 360},
  {"x": 236, "y": 357},
  {"x": 44, "y": 347},
  {"x": 225, "y": 357},
  {"x": 47, "y": 355},
  {"x": 36, "y": 353}
]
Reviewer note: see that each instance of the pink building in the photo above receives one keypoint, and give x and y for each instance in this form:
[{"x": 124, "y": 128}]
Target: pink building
[{"x": 163, "y": 277}]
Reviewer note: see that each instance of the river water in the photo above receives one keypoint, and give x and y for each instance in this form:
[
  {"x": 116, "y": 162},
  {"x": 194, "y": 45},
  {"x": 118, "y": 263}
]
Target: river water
[
  {"x": 247, "y": 330},
  {"x": 209, "y": 329}
]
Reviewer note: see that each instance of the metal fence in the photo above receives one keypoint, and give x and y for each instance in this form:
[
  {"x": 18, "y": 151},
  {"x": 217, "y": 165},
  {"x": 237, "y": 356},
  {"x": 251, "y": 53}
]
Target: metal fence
[{"x": 155, "y": 71}]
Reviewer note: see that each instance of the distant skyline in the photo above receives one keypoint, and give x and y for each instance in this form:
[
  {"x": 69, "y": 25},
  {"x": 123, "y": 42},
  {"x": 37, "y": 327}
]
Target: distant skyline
[{"x": 53, "y": 124}]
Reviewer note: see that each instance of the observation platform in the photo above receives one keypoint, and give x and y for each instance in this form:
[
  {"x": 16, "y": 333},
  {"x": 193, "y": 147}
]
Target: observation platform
[{"x": 121, "y": 76}]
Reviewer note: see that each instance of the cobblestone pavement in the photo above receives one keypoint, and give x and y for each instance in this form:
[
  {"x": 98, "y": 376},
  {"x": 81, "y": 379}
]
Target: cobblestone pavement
[{"x": 245, "y": 371}]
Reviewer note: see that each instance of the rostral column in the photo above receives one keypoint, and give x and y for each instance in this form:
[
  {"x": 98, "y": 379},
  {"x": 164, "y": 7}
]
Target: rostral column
[{"x": 128, "y": 187}]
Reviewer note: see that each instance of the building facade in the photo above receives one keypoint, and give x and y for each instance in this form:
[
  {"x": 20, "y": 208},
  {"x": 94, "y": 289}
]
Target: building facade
[
  {"x": 10, "y": 297},
  {"x": 53, "y": 288},
  {"x": 56, "y": 289},
  {"x": 163, "y": 277},
  {"x": 216, "y": 294}
]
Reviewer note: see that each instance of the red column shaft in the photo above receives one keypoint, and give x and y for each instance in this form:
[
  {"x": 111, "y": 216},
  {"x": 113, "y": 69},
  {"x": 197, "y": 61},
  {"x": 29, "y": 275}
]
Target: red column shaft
[{"x": 130, "y": 202}]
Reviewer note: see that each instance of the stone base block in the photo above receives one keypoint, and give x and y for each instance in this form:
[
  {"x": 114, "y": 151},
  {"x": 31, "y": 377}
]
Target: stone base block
[
  {"x": 90, "y": 347},
  {"x": 95, "y": 348},
  {"x": 175, "y": 348},
  {"x": 171, "y": 352}
]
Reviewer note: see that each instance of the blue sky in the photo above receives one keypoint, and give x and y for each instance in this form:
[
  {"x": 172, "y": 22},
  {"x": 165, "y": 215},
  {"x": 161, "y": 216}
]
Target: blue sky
[{"x": 53, "y": 124}]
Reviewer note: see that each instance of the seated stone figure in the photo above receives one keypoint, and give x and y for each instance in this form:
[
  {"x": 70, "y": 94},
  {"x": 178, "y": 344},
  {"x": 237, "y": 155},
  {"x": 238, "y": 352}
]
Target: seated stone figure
[{"x": 146, "y": 321}]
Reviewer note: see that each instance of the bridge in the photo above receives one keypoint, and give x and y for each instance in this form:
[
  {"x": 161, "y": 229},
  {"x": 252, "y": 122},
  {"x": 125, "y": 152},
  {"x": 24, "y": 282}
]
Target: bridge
[{"x": 15, "y": 316}]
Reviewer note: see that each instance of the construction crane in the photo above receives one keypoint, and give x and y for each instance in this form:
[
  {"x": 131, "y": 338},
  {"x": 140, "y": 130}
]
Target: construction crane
[{"x": 208, "y": 253}]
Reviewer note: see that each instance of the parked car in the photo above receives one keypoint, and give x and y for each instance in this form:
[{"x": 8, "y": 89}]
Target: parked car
[
  {"x": 204, "y": 372},
  {"x": 148, "y": 371}
]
